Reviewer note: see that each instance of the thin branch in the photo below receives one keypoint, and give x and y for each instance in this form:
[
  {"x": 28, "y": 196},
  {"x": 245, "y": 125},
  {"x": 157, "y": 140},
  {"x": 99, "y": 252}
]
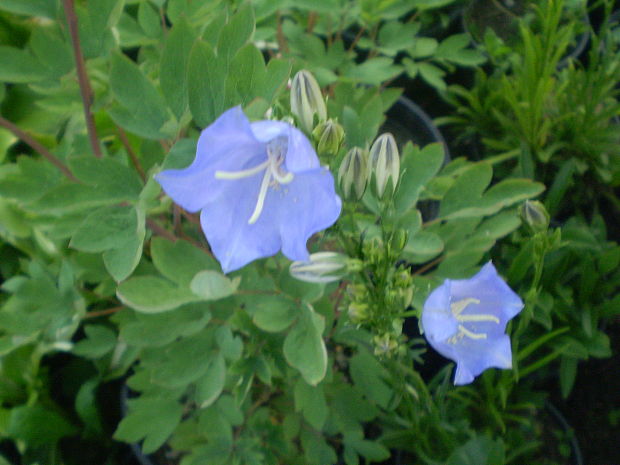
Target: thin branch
[
  {"x": 191, "y": 218},
  {"x": 107, "y": 311},
  {"x": 85, "y": 89},
  {"x": 37, "y": 147},
  {"x": 429, "y": 265},
  {"x": 280, "y": 35},
  {"x": 132, "y": 155},
  {"x": 160, "y": 230}
]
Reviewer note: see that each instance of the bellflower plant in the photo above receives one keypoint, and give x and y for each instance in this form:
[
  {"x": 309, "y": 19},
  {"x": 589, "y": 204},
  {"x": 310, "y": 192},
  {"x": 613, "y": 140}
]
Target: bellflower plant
[
  {"x": 465, "y": 320},
  {"x": 260, "y": 189}
]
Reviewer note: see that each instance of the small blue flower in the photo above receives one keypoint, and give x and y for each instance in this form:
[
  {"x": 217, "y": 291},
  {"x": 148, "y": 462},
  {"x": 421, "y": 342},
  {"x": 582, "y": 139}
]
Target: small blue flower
[
  {"x": 260, "y": 189},
  {"x": 465, "y": 319}
]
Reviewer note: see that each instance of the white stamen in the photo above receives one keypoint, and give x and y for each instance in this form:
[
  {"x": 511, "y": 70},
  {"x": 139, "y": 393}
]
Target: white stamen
[
  {"x": 262, "y": 194},
  {"x": 458, "y": 307},
  {"x": 232, "y": 175},
  {"x": 481, "y": 317},
  {"x": 470, "y": 334}
]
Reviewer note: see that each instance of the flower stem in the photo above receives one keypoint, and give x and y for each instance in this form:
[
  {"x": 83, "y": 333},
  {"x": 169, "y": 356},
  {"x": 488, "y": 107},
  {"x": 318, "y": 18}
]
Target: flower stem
[
  {"x": 85, "y": 90},
  {"x": 38, "y": 147}
]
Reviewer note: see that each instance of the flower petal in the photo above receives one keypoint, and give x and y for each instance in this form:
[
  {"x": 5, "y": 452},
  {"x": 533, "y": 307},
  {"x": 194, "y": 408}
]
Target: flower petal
[
  {"x": 300, "y": 155},
  {"x": 307, "y": 205},
  {"x": 234, "y": 242},
  {"x": 227, "y": 145}
]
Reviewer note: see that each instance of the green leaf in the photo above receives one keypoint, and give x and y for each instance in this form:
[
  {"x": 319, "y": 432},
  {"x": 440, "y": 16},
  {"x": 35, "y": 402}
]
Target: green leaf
[
  {"x": 369, "y": 377},
  {"x": 480, "y": 450},
  {"x": 231, "y": 346},
  {"x": 304, "y": 347},
  {"x": 374, "y": 71},
  {"x": 180, "y": 261},
  {"x": 105, "y": 228},
  {"x": 432, "y": 74},
  {"x": 38, "y": 426},
  {"x": 151, "y": 419},
  {"x": 423, "y": 246},
  {"x": 87, "y": 408},
  {"x": 52, "y": 51},
  {"x": 568, "y": 374},
  {"x": 46, "y": 8},
  {"x": 310, "y": 401},
  {"x": 205, "y": 84},
  {"x": 181, "y": 155},
  {"x": 236, "y": 33},
  {"x": 417, "y": 168},
  {"x": 370, "y": 450},
  {"x": 72, "y": 198},
  {"x": 159, "y": 329},
  {"x": 121, "y": 261},
  {"x": 273, "y": 314},
  {"x": 467, "y": 189},
  {"x": 246, "y": 75},
  {"x": 141, "y": 108},
  {"x": 149, "y": 20},
  {"x": 182, "y": 362},
  {"x": 151, "y": 294},
  {"x": 501, "y": 195},
  {"x": 174, "y": 64},
  {"x": 213, "y": 285},
  {"x": 107, "y": 175},
  {"x": 210, "y": 385},
  {"x": 18, "y": 66},
  {"x": 99, "y": 341},
  {"x": 278, "y": 72}
]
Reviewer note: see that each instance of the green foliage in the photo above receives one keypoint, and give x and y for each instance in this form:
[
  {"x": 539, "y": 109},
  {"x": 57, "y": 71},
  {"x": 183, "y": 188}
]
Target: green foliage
[{"x": 103, "y": 279}]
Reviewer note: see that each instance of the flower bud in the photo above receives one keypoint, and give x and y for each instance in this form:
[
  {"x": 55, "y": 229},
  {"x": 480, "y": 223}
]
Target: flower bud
[
  {"x": 329, "y": 137},
  {"x": 357, "y": 312},
  {"x": 353, "y": 173},
  {"x": 307, "y": 100},
  {"x": 385, "y": 344},
  {"x": 535, "y": 215},
  {"x": 323, "y": 267},
  {"x": 399, "y": 240},
  {"x": 384, "y": 162}
]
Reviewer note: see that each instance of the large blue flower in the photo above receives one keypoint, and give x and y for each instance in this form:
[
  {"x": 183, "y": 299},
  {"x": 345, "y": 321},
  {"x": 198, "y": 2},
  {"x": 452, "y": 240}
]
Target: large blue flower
[
  {"x": 465, "y": 320},
  {"x": 260, "y": 189}
]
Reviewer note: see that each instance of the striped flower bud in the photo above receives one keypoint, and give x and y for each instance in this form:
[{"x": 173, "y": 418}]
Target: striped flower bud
[
  {"x": 535, "y": 215},
  {"x": 353, "y": 173},
  {"x": 307, "y": 100},
  {"x": 384, "y": 162},
  {"x": 329, "y": 137},
  {"x": 323, "y": 267}
]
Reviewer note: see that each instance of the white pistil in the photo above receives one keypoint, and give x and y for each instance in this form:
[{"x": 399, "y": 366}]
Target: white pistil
[
  {"x": 262, "y": 194},
  {"x": 276, "y": 150}
]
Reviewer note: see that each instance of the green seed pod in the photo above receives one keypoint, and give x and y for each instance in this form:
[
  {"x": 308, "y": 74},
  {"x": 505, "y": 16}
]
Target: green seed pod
[
  {"x": 307, "y": 100},
  {"x": 353, "y": 173},
  {"x": 384, "y": 162},
  {"x": 329, "y": 137}
]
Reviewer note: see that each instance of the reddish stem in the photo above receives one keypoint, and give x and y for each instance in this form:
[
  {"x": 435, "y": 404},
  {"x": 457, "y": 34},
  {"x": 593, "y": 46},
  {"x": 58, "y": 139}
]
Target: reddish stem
[{"x": 85, "y": 89}]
